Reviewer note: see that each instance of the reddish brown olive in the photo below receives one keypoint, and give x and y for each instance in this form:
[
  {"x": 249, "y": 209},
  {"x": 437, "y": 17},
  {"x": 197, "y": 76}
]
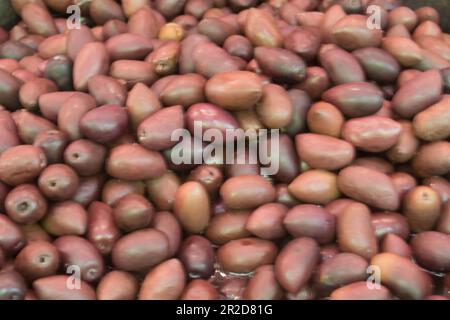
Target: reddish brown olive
[
  {"x": 133, "y": 251},
  {"x": 38, "y": 259},
  {"x": 133, "y": 212},
  {"x": 25, "y": 204},
  {"x": 58, "y": 182}
]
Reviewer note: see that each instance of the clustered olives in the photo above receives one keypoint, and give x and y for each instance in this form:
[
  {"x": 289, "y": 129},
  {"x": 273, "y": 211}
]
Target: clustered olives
[{"x": 88, "y": 186}]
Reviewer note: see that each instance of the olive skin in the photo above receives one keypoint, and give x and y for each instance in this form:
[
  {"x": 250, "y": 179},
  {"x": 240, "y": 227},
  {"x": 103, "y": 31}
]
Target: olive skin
[
  {"x": 315, "y": 186},
  {"x": 10, "y": 87},
  {"x": 133, "y": 212},
  {"x": 38, "y": 259},
  {"x": 312, "y": 221},
  {"x": 102, "y": 231},
  {"x": 13, "y": 286},
  {"x": 25, "y": 204},
  {"x": 65, "y": 218},
  {"x": 324, "y": 152},
  {"x": 117, "y": 285},
  {"x": 12, "y": 238},
  {"x": 8, "y": 131},
  {"x": 55, "y": 288},
  {"x": 165, "y": 282},
  {"x": 422, "y": 208},
  {"x": 355, "y": 99},
  {"x": 85, "y": 157},
  {"x": 104, "y": 124},
  {"x": 295, "y": 263},
  {"x": 21, "y": 164},
  {"x": 380, "y": 195},
  {"x": 266, "y": 222},
  {"x": 199, "y": 289},
  {"x": 246, "y": 192},
  {"x": 245, "y": 255},
  {"x": 431, "y": 249},
  {"x": 360, "y": 291},
  {"x": 227, "y": 226},
  {"x": 162, "y": 190},
  {"x": 197, "y": 255},
  {"x": 78, "y": 251},
  {"x": 355, "y": 232},
  {"x": 237, "y": 90},
  {"x": 402, "y": 276},
  {"x": 133, "y": 162},
  {"x": 58, "y": 182},
  {"x": 155, "y": 132},
  {"x": 89, "y": 189},
  {"x": 192, "y": 207},
  {"x": 53, "y": 142},
  {"x": 209, "y": 176},
  {"x": 133, "y": 251},
  {"x": 263, "y": 285},
  {"x": 340, "y": 270},
  {"x": 168, "y": 224}
]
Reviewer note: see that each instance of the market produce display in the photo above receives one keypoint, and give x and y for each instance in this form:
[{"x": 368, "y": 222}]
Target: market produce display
[{"x": 352, "y": 203}]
